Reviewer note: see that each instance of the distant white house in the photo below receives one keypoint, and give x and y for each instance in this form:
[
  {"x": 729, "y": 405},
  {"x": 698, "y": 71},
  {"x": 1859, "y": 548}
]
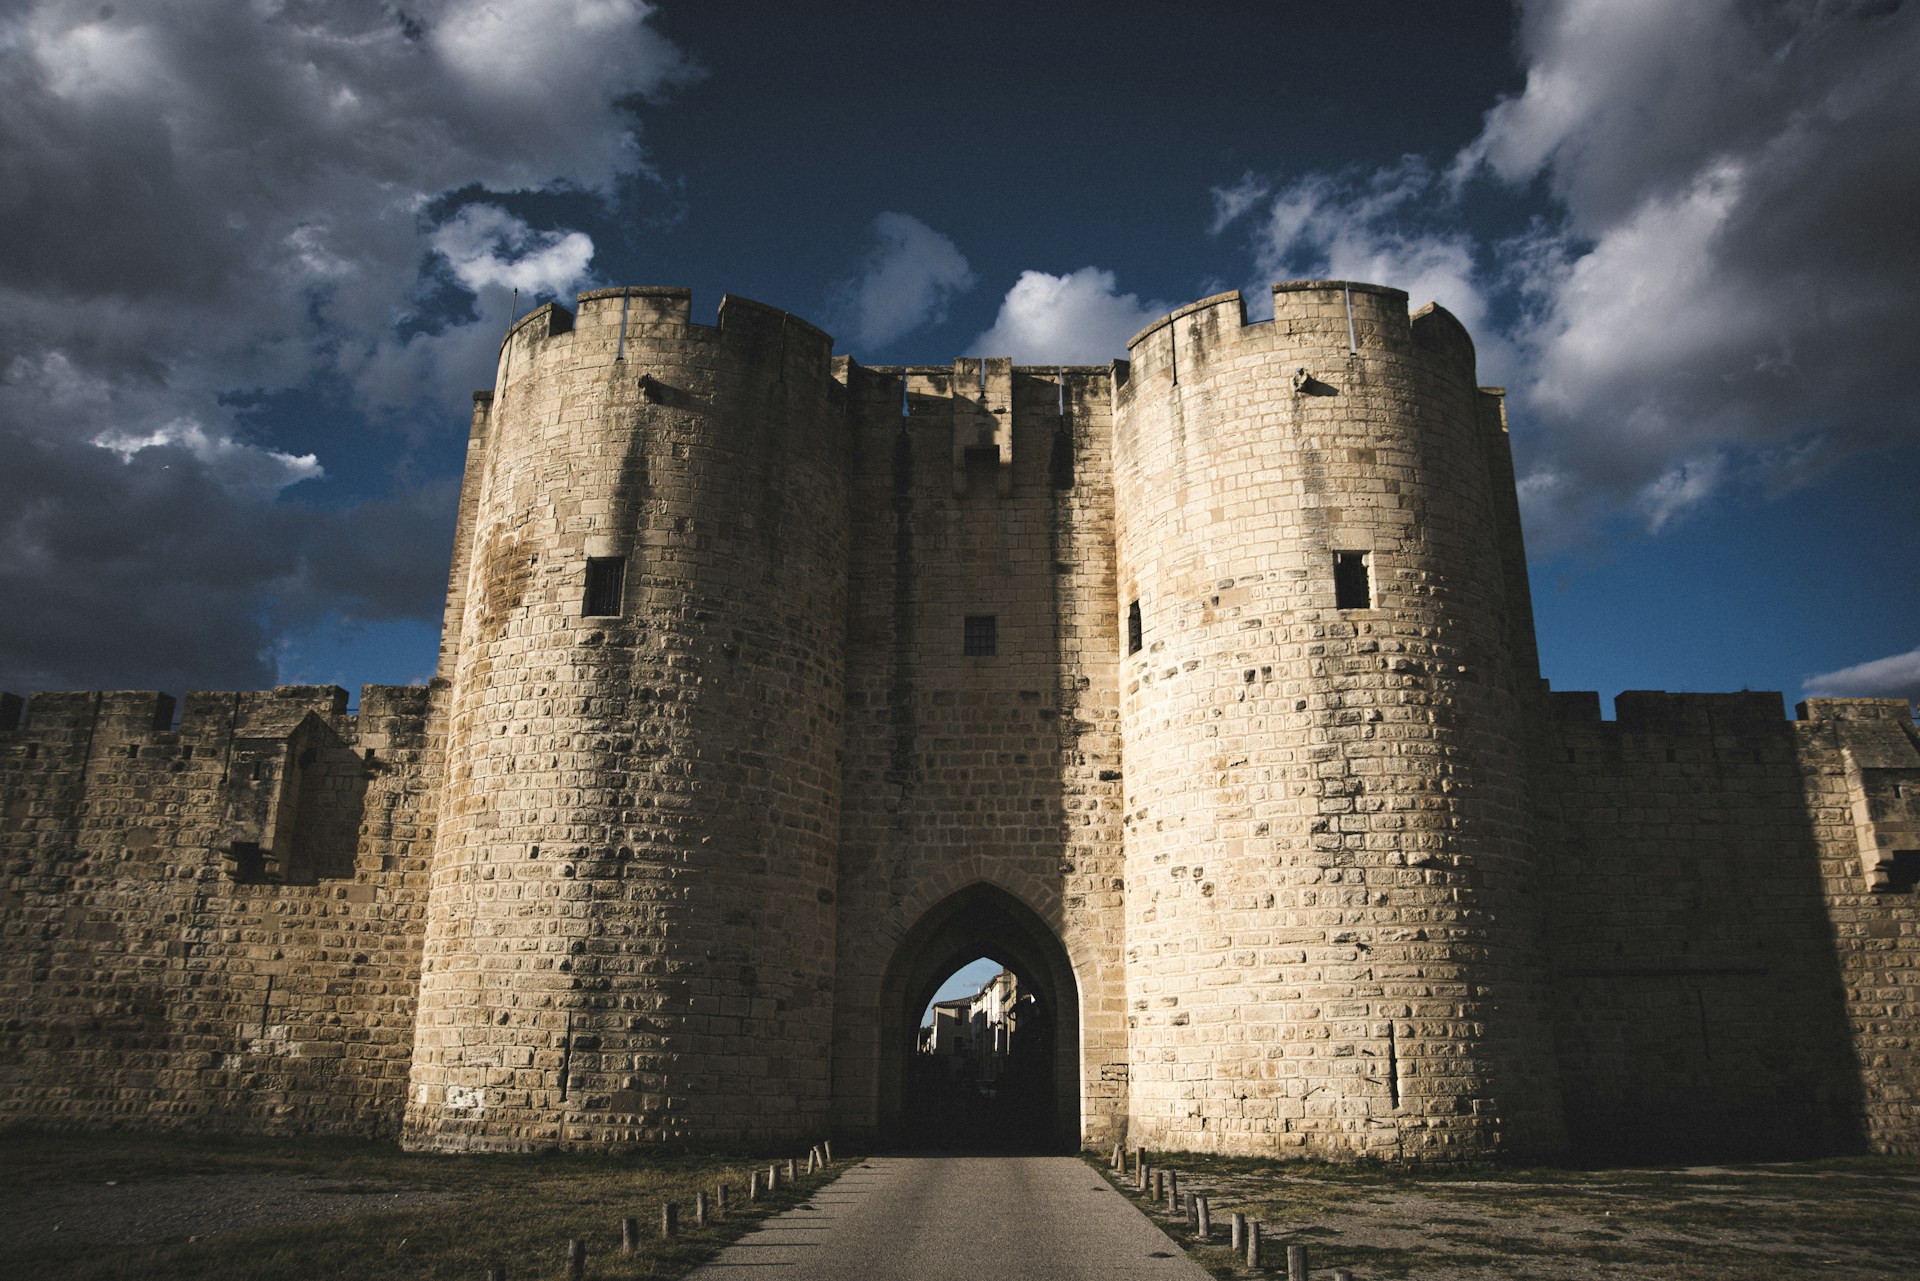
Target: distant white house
[{"x": 979, "y": 1028}]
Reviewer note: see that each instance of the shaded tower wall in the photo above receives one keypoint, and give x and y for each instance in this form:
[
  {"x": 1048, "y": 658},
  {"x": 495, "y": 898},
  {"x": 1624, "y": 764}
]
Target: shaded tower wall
[
  {"x": 984, "y": 490},
  {"x": 632, "y": 913},
  {"x": 1332, "y": 929}
]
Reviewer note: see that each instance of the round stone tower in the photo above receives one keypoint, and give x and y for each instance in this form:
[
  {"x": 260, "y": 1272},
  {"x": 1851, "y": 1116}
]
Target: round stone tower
[
  {"x": 630, "y": 929},
  {"x": 1332, "y": 943}
]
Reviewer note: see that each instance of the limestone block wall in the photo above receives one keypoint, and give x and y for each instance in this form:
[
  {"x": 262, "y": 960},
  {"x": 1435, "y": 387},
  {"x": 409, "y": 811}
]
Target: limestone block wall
[
  {"x": 632, "y": 907},
  {"x": 981, "y": 490},
  {"x": 1332, "y": 907},
  {"x": 1860, "y": 762},
  {"x": 213, "y": 923},
  {"x": 1729, "y": 979},
  {"x": 1693, "y": 960},
  {"x": 676, "y": 858}
]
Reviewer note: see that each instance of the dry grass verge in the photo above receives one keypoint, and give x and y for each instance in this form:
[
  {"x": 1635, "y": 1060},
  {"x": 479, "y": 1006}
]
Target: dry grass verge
[
  {"x": 91, "y": 1207},
  {"x": 1856, "y": 1217}
]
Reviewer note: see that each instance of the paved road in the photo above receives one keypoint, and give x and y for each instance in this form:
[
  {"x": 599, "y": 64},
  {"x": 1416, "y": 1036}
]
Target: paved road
[{"x": 1035, "y": 1218}]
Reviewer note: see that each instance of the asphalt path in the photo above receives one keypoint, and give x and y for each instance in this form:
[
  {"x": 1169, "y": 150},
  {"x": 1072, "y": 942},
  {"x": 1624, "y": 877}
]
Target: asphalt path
[{"x": 933, "y": 1218}]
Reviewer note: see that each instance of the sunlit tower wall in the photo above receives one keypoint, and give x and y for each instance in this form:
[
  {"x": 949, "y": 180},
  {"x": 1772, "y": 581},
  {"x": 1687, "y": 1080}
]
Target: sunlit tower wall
[
  {"x": 631, "y": 922},
  {"x": 1332, "y": 937}
]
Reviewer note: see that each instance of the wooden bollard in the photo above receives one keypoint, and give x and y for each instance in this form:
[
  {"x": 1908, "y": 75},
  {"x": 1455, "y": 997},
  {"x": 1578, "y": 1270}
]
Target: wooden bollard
[
  {"x": 1253, "y": 1243},
  {"x": 1239, "y": 1232},
  {"x": 753, "y": 1185},
  {"x": 1343, "y": 1274},
  {"x": 1142, "y": 1177},
  {"x": 1296, "y": 1263},
  {"x": 1193, "y": 1211},
  {"x": 1203, "y": 1218},
  {"x": 720, "y": 1198},
  {"x": 1140, "y": 1163},
  {"x": 669, "y": 1220},
  {"x": 576, "y": 1259},
  {"x": 1160, "y": 1185},
  {"x": 1173, "y": 1191},
  {"x": 793, "y": 1170},
  {"x": 826, "y": 1149},
  {"x": 773, "y": 1177},
  {"x": 813, "y": 1158},
  {"x": 629, "y": 1234},
  {"x": 700, "y": 1208},
  {"x": 496, "y": 1272},
  {"x": 1119, "y": 1159}
]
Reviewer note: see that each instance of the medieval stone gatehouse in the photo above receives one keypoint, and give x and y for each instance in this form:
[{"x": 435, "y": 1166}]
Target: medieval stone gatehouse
[{"x": 1200, "y": 691}]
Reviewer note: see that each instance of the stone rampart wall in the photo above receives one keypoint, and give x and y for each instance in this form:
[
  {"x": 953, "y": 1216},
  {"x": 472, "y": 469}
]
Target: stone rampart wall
[
  {"x": 1727, "y": 980},
  {"x": 214, "y": 924},
  {"x": 1299, "y": 872}
]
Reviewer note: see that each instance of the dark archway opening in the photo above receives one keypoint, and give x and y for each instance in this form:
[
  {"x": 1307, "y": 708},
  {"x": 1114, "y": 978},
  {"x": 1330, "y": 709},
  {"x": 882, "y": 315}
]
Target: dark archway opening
[{"x": 1026, "y": 1098}]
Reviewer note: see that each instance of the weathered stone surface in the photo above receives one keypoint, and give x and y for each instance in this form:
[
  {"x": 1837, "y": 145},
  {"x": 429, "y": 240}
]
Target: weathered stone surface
[
  {"x": 1332, "y": 938},
  {"x": 1305, "y": 873}
]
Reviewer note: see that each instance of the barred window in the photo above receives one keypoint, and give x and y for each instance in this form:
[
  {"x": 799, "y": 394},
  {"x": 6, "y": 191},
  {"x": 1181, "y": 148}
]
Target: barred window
[
  {"x": 981, "y": 637},
  {"x": 606, "y": 586}
]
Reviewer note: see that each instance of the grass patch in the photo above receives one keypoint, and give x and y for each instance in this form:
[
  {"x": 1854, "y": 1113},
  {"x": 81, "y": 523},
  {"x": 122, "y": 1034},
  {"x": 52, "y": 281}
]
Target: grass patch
[
  {"x": 1853, "y": 1217},
  {"x": 455, "y": 1215}
]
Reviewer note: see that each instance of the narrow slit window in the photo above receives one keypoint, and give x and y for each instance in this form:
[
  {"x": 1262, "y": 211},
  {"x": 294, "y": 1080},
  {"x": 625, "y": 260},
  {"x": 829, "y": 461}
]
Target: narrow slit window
[
  {"x": 606, "y": 586},
  {"x": 1352, "y": 580},
  {"x": 1134, "y": 633},
  {"x": 980, "y": 639}
]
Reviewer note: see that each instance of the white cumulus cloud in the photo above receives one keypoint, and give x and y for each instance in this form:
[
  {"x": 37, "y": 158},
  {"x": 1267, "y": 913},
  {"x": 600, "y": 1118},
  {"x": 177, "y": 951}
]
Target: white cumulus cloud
[
  {"x": 240, "y": 468},
  {"x": 1735, "y": 261},
  {"x": 1720, "y": 292},
  {"x": 1374, "y": 226},
  {"x": 1080, "y": 318},
  {"x": 909, "y": 275},
  {"x": 1895, "y": 676},
  {"x": 204, "y": 203},
  {"x": 487, "y": 246}
]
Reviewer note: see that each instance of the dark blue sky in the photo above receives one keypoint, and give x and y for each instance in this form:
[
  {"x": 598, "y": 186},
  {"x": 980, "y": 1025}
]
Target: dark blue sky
[{"x": 254, "y": 266}]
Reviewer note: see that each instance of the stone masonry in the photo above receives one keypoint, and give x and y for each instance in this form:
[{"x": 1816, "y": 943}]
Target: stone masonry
[{"x": 1200, "y": 691}]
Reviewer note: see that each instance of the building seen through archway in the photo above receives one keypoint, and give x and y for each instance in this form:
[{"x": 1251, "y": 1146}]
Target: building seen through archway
[
  {"x": 982, "y": 1076},
  {"x": 996, "y": 1068}
]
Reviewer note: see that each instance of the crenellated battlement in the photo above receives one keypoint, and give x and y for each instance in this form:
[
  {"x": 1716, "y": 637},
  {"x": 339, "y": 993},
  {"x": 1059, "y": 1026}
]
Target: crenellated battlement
[
  {"x": 1316, "y": 321},
  {"x": 132, "y": 716},
  {"x": 636, "y": 326},
  {"x": 1202, "y": 684},
  {"x": 1644, "y": 710},
  {"x": 1898, "y": 710},
  {"x": 981, "y": 415},
  {"x": 1662, "y": 711}
]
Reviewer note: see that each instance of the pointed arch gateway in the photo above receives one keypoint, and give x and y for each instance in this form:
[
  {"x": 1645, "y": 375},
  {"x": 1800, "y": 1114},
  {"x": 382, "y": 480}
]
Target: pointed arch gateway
[{"x": 984, "y": 920}]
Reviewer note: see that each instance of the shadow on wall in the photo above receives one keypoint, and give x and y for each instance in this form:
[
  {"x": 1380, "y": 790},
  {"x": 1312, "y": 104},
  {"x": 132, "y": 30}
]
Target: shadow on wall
[
  {"x": 1701, "y": 1009},
  {"x": 294, "y": 807}
]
